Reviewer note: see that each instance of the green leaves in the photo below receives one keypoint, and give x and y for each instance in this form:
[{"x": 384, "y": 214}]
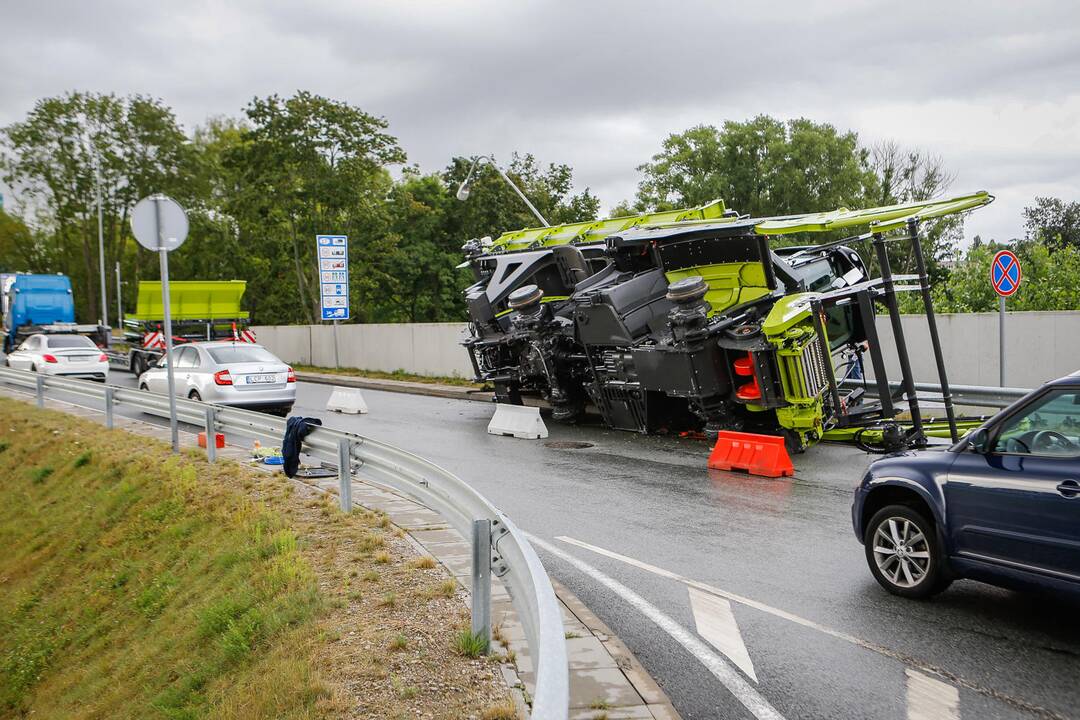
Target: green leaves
[{"x": 761, "y": 166}]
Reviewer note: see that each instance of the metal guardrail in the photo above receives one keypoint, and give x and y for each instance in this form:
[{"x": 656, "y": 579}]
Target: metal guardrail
[
  {"x": 972, "y": 395},
  {"x": 510, "y": 558}
]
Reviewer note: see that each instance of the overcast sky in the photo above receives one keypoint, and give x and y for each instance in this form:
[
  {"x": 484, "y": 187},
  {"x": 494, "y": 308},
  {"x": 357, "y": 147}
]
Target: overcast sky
[{"x": 992, "y": 87}]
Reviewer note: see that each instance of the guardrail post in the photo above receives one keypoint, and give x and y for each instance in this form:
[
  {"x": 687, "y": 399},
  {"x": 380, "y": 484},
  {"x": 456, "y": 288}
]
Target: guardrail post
[
  {"x": 211, "y": 435},
  {"x": 481, "y": 579},
  {"x": 109, "y": 406},
  {"x": 345, "y": 474},
  {"x": 40, "y": 391}
]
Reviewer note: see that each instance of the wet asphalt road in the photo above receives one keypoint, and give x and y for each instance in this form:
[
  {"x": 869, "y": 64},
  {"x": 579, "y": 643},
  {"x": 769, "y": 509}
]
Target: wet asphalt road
[{"x": 785, "y": 547}]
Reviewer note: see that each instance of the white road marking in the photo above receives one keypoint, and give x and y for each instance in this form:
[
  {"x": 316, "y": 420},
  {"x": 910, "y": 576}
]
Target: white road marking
[
  {"x": 930, "y": 699},
  {"x": 716, "y": 623},
  {"x": 725, "y": 594},
  {"x": 745, "y": 693},
  {"x": 907, "y": 660}
]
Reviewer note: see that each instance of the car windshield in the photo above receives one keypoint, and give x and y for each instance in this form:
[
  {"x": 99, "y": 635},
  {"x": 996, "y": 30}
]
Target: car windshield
[
  {"x": 70, "y": 341},
  {"x": 1050, "y": 427},
  {"x": 225, "y": 355}
]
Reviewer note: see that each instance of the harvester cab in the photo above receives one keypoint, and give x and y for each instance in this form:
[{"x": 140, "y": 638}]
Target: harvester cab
[{"x": 690, "y": 321}]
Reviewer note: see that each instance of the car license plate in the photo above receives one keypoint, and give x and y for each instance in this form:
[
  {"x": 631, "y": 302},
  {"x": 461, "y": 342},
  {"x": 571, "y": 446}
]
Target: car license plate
[{"x": 252, "y": 379}]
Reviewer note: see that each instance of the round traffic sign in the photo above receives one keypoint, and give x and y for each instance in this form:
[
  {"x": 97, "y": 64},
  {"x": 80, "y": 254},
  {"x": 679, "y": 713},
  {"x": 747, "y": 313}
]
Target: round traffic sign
[
  {"x": 1005, "y": 273},
  {"x": 159, "y": 223}
]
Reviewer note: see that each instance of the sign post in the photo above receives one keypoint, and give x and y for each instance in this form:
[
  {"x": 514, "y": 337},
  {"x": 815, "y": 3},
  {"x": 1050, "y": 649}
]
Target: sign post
[
  {"x": 333, "y": 259},
  {"x": 160, "y": 224},
  {"x": 1005, "y": 277}
]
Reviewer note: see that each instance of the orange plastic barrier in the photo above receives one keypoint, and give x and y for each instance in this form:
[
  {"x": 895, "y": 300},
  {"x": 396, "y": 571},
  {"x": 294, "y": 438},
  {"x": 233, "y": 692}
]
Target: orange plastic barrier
[
  {"x": 763, "y": 455},
  {"x": 219, "y": 440}
]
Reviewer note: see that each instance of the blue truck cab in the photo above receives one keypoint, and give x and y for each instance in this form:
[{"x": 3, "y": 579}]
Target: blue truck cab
[{"x": 38, "y": 303}]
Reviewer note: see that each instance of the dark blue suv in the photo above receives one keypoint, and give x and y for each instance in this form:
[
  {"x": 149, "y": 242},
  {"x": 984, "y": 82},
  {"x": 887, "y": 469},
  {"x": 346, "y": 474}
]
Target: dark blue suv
[{"x": 1001, "y": 506}]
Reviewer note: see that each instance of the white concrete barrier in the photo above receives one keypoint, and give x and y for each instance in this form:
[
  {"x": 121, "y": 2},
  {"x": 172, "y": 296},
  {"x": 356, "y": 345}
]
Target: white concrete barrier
[
  {"x": 347, "y": 400},
  {"x": 518, "y": 421}
]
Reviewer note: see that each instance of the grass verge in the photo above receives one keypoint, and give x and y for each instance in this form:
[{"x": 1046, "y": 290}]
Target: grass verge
[
  {"x": 138, "y": 584},
  {"x": 395, "y": 375}
]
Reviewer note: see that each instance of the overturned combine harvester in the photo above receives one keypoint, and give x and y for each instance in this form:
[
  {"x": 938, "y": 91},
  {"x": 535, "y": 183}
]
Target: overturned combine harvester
[{"x": 688, "y": 321}]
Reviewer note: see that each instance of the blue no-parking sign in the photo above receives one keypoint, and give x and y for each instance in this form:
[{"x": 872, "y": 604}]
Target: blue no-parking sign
[
  {"x": 333, "y": 258},
  {"x": 1005, "y": 273}
]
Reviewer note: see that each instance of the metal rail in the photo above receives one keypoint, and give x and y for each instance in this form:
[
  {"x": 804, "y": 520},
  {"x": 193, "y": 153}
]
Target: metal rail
[
  {"x": 972, "y": 395},
  {"x": 512, "y": 558}
]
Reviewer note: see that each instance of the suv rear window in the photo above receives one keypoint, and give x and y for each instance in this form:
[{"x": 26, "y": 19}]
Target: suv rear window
[{"x": 241, "y": 354}]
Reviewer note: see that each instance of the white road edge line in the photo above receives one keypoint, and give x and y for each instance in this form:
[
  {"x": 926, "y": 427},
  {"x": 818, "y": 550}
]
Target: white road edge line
[
  {"x": 930, "y": 699},
  {"x": 906, "y": 660},
  {"x": 750, "y": 698},
  {"x": 716, "y": 623},
  {"x": 728, "y": 595}
]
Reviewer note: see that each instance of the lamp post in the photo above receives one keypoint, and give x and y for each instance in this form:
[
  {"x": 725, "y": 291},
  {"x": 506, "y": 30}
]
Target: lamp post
[
  {"x": 463, "y": 189},
  {"x": 100, "y": 238}
]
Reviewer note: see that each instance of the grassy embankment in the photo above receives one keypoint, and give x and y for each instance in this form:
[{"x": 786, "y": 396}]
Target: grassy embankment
[
  {"x": 142, "y": 585},
  {"x": 396, "y": 375}
]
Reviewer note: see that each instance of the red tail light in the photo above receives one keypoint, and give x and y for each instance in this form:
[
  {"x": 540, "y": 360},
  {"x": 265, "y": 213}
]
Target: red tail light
[
  {"x": 103, "y": 358},
  {"x": 291, "y": 377},
  {"x": 222, "y": 377},
  {"x": 49, "y": 358}
]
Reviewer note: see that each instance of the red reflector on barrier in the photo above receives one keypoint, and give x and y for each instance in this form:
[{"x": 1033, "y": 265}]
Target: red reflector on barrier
[{"x": 763, "y": 455}]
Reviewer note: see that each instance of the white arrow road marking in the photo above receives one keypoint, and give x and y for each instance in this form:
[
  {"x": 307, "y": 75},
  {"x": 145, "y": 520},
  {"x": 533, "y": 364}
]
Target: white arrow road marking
[
  {"x": 930, "y": 699},
  {"x": 839, "y": 635},
  {"x": 716, "y": 623},
  {"x": 745, "y": 693}
]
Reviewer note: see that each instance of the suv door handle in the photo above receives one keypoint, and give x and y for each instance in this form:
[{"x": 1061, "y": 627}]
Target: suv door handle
[{"x": 1069, "y": 488}]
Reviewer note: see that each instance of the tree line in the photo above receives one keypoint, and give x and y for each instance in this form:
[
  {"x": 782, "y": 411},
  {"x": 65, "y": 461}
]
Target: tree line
[{"x": 258, "y": 187}]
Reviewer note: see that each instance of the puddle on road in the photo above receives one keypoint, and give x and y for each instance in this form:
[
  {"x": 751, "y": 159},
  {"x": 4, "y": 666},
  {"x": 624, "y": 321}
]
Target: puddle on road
[{"x": 568, "y": 444}]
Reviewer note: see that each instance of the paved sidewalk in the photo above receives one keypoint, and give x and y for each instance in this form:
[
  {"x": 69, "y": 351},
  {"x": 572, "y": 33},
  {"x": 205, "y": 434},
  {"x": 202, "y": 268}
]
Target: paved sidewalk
[{"x": 606, "y": 680}]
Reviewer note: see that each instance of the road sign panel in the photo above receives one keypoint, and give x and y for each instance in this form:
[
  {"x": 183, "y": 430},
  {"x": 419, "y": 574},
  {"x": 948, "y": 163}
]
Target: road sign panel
[
  {"x": 159, "y": 223},
  {"x": 333, "y": 259},
  {"x": 1005, "y": 273}
]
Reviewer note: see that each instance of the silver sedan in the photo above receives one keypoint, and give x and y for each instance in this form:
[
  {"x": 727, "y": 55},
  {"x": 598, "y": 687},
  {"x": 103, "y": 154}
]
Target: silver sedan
[{"x": 227, "y": 373}]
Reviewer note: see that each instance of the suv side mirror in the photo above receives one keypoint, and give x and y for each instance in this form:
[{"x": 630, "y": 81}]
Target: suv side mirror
[{"x": 980, "y": 441}]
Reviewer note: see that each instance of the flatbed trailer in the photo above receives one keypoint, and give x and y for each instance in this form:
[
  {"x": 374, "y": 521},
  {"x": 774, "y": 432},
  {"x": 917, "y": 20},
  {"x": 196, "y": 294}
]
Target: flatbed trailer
[{"x": 201, "y": 310}]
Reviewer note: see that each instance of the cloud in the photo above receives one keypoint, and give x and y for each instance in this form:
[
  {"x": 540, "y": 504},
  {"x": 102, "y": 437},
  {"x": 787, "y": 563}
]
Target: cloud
[{"x": 994, "y": 90}]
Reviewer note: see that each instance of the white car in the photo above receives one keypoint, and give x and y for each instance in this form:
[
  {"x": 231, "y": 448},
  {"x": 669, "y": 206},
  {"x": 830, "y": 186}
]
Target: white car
[
  {"x": 226, "y": 373},
  {"x": 67, "y": 355}
]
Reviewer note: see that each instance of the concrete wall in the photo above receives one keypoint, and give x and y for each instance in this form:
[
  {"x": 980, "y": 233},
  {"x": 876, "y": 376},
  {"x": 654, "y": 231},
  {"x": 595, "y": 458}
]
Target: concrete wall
[
  {"x": 1039, "y": 346},
  {"x": 420, "y": 348}
]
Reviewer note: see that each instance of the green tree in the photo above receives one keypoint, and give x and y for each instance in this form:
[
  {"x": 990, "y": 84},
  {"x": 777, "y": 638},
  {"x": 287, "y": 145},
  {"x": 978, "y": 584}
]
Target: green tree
[
  {"x": 493, "y": 208},
  {"x": 1053, "y": 221},
  {"x": 909, "y": 176},
  {"x": 424, "y": 281},
  {"x": 64, "y": 150},
  {"x": 303, "y": 166},
  {"x": 761, "y": 166},
  {"x": 1051, "y": 280}
]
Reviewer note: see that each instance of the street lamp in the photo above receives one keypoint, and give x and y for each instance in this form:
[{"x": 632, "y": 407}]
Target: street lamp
[
  {"x": 100, "y": 238},
  {"x": 463, "y": 189}
]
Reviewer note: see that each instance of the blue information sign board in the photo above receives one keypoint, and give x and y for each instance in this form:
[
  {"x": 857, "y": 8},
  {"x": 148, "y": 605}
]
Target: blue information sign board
[{"x": 333, "y": 257}]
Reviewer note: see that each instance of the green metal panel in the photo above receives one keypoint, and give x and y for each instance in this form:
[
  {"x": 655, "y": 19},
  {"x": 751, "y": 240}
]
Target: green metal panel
[
  {"x": 879, "y": 219},
  {"x": 191, "y": 300},
  {"x": 596, "y": 230},
  {"x": 729, "y": 283}
]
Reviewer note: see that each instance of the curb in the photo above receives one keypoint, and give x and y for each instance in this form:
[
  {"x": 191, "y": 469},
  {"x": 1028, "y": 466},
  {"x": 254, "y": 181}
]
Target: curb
[{"x": 453, "y": 392}]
